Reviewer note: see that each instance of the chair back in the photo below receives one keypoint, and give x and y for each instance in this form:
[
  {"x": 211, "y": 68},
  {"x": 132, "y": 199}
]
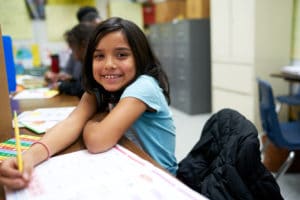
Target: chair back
[{"x": 268, "y": 115}]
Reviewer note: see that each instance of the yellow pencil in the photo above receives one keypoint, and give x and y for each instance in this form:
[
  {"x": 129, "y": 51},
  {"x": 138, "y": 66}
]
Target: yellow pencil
[{"x": 18, "y": 143}]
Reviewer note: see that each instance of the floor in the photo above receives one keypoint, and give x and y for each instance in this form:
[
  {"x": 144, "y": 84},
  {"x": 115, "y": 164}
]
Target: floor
[{"x": 189, "y": 128}]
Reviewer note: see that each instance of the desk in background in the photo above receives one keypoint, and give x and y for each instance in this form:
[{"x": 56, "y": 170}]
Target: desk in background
[
  {"x": 291, "y": 78},
  {"x": 287, "y": 76}
]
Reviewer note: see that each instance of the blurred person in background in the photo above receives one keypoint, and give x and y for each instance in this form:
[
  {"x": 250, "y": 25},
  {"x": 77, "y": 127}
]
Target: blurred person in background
[
  {"x": 77, "y": 39},
  {"x": 71, "y": 73}
]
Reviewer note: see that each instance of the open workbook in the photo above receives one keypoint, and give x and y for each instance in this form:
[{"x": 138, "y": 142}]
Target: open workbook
[
  {"x": 114, "y": 174},
  {"x": 39, "y": 120}
]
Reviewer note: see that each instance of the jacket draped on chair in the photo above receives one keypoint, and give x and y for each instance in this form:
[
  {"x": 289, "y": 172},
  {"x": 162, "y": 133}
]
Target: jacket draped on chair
[{"x": 226, "y": 164}]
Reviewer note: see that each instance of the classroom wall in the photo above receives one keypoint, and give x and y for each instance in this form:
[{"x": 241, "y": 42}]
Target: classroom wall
[
  {"x": 295, "y": 51},
  {"x": 60, "y": 16},
  {"x": 47, "y": 33}
]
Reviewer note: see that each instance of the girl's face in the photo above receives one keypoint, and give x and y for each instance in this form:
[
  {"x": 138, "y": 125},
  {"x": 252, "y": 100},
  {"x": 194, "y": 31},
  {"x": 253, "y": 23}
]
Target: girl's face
[{"x": 113, "y": 62}]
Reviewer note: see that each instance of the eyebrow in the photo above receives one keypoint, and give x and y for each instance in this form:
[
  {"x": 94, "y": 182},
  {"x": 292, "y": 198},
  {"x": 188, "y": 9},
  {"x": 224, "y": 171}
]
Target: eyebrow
[{"x": 118, "y": 49}]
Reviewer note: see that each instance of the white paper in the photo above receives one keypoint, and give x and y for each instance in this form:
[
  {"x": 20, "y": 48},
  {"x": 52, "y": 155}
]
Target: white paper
[
  {"x": 37, "y": 93},
  {"x": 115, "y": 174},
  {"x": 294, "y": 70},
  {"x": 40, "y": 120}
]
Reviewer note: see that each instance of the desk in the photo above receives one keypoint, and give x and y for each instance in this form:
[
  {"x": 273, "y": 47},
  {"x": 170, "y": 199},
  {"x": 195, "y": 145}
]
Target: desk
[
  {"x": 286, "y": 76},
  {"x": 291, "y": 78},
  {"x": 60, "y": 101}
]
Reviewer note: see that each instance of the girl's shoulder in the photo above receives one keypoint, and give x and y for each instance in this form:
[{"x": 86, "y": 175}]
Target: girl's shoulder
[
  {"x": 144, "y": 84},
  {"x": 146, "y": 79}
]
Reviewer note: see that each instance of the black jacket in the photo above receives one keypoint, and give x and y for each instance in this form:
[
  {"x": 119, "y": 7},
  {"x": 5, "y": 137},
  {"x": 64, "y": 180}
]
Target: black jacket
[
  {"x": 71, "y": 87},
  {"x": 226, "y": 164}
]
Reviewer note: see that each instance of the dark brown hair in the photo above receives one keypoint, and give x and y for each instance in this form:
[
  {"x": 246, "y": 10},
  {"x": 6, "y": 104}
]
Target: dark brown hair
[{"x": 145, "y": 60}]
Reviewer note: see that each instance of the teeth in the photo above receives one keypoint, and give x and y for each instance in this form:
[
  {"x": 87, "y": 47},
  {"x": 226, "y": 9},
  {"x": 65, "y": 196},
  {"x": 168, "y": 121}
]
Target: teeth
[{"x": 110, "y": 76}]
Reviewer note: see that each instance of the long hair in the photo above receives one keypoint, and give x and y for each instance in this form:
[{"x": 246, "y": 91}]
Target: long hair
[{"x": 145, "y": 60}]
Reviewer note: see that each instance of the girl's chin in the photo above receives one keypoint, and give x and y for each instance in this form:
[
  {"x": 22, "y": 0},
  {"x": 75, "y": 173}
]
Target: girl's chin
[{"x": 110, "y": 89}]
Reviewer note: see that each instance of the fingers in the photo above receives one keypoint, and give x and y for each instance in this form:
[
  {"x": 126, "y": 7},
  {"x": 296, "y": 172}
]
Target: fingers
[
  {"x": 8, "y": 168},
  {"x": 27, "y": 172},
  {"x": 16, "y": 183},
  {"x": 10, "y": 175}
]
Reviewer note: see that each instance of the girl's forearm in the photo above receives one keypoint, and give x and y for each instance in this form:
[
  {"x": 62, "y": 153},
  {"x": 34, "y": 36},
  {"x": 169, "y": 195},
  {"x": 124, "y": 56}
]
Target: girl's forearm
[
  {"x": 67, "y": 131},
  {"x": 96, "y": 138}
]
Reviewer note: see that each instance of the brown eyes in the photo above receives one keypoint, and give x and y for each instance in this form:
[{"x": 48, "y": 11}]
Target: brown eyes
[
  {"x": 98, "y": 56},
  {"x": 122, "y": 55},
  {"x": 117, "y": 55}
]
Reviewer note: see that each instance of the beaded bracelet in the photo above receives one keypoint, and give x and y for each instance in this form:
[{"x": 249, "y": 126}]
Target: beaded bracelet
[{"x": 45, "y": 146}]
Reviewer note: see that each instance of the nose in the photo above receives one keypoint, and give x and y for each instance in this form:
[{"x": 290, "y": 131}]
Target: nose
[{"x": 109, "y": 63}]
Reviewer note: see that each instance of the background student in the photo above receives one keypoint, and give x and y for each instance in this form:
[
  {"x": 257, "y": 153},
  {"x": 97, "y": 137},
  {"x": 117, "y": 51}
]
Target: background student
[
  {"x": 72, "y": 71},
  {"x": 127, "y": 93},
  {"x": 88, "y": 15},
  {"x": 77, "y": 39}
]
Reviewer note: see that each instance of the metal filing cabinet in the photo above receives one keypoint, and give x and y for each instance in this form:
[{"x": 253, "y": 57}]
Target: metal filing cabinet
[{"x": 184, "y": 51}]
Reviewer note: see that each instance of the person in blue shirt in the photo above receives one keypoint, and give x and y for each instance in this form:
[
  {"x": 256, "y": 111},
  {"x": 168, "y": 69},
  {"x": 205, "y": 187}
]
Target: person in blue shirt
[{"x": 126, "y": 94}]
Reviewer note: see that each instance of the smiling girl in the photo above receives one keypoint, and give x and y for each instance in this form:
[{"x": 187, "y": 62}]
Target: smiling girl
[{"x": 121, "y": 76}]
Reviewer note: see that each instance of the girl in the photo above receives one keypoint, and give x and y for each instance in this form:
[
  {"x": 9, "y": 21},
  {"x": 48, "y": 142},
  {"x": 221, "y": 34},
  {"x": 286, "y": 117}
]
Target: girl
[{"x": 122, "y": 75}]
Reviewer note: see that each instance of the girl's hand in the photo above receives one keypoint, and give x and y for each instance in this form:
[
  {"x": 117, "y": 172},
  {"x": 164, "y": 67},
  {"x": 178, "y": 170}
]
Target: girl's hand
[{"x": 10, "y": 175}]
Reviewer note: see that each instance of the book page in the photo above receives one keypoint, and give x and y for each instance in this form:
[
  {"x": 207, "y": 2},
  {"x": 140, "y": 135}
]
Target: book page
[
  {"x": 115, "y": 174},
  {"x": 40, "y": 120}
]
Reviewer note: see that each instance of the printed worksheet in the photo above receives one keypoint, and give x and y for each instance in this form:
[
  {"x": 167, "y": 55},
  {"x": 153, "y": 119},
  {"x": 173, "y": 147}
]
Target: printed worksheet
[
  {"x": 40, "y": 120},
  {"x": 115, "y": 174}
]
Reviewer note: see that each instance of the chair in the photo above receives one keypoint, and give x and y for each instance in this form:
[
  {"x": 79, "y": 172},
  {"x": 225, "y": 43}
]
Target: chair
[
  {"x": 282, "y": 134},
  {"x": 289, "y": 100},
  {"x": 226, "y": 162}
]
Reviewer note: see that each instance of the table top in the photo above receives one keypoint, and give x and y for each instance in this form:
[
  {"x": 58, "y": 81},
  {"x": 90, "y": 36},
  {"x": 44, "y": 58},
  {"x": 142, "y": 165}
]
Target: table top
[
  {"x": 287, "y": 76},
  {"x": 60, "y": 101}
]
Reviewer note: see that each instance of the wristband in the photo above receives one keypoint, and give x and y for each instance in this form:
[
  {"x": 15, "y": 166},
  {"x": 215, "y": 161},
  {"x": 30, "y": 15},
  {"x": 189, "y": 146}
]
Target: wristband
[{"x": 45, "y": 146}]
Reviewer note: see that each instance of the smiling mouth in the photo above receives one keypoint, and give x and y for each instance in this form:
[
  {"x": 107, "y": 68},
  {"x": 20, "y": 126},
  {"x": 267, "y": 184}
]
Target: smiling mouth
[{"x": 111, "y": 76}]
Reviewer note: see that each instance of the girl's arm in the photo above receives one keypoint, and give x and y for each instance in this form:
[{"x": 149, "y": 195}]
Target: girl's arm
[
  {"x": 101, "y": 135},
  {"x": 55, "y": 139},
  {"x": 66, "y": 132}
]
